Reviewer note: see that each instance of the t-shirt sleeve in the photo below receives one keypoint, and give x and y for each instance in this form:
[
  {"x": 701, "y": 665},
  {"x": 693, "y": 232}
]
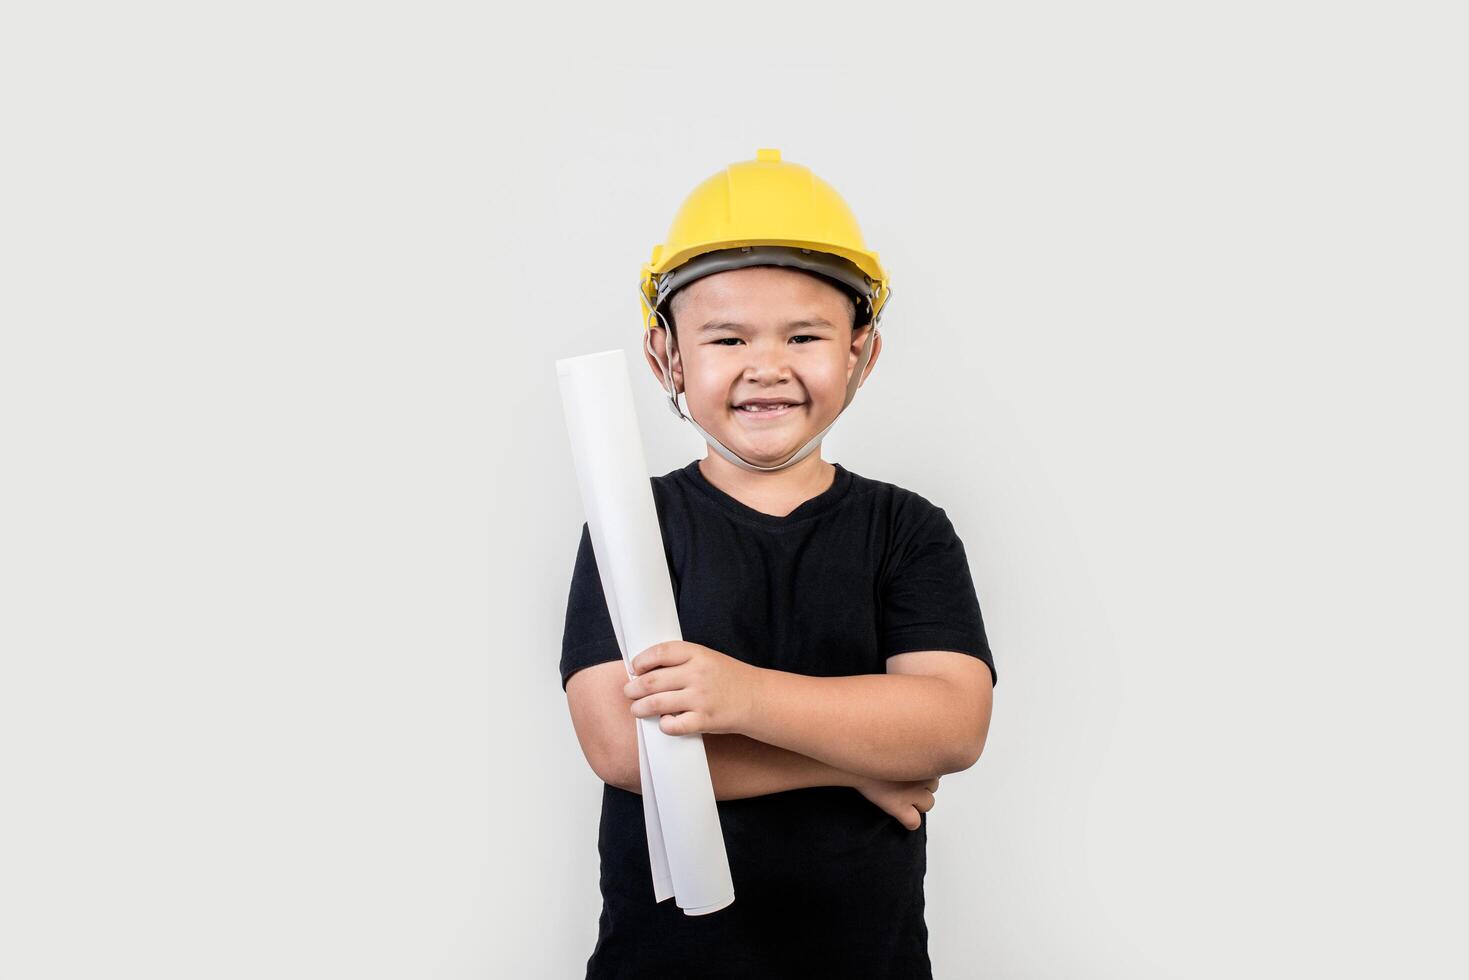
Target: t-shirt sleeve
[
  {"x": 588, "y": 638},
  {"x": 929, "y": 602}
]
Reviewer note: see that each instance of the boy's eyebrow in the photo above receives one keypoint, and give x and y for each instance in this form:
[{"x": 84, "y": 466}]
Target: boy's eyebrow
[{"x": 731, "y": 325}]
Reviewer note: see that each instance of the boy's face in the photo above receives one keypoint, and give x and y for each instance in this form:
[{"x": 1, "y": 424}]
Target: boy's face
[{"x": 763, "y": 333}]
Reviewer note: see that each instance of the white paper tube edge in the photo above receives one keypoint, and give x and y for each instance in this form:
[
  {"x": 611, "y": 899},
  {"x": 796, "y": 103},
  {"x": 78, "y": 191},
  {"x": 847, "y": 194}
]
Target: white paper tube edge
[{"x": 621, "y": 514}]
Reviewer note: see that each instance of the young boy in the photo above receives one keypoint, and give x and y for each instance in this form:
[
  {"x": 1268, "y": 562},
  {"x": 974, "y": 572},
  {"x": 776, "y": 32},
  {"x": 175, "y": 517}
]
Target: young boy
[{"x": 835, "y": 659}]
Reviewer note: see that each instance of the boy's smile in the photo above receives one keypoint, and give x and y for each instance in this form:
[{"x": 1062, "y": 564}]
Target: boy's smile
[{"x": 760, "y": 411}]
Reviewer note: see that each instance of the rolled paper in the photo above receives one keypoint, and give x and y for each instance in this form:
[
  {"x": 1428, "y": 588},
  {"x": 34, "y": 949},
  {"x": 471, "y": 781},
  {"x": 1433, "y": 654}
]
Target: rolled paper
[{"x": 685, "y": 841}]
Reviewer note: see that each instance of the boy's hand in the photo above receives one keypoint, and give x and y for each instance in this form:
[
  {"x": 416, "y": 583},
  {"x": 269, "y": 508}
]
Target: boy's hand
[
  {"x": 694, "y": 688},
  {"x": 902, "y": 801}
]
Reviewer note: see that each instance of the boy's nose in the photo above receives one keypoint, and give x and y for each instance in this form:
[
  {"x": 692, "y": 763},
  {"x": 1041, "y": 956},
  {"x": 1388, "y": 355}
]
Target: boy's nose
[{"x": 767, "y": 362}]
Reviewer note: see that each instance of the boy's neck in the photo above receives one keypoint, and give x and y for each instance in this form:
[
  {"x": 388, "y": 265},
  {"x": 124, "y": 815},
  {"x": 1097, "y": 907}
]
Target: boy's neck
[{"x": 777, "y": 493}]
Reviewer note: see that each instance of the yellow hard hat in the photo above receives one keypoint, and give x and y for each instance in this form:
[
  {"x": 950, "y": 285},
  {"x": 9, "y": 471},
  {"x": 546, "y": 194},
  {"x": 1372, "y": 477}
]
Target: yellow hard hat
[{"x": 764, "y": 212}]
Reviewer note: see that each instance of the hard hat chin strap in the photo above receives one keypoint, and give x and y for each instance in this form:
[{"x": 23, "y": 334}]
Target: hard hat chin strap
[{"x": 670, "y": 388}]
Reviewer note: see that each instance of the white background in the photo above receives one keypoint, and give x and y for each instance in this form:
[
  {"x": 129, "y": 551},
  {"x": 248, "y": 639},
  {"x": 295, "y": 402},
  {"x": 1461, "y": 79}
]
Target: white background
[{"x": 289, "y": 514}]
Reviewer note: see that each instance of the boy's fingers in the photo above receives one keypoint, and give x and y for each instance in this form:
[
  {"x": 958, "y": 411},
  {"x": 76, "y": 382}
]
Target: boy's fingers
[
  {"x": 658, "y": 655},
  {"x": 648, "y": 706},
  {"x": 644, "y": 660},
  {"x": 667, "y": 703},
  {"x": 650, "y": 681},
  {"x": 685, "y": 723}
]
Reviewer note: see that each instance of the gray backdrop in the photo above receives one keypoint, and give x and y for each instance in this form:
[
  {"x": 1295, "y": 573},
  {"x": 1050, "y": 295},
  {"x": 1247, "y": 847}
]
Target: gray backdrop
[{"x": 289, "y": 514}]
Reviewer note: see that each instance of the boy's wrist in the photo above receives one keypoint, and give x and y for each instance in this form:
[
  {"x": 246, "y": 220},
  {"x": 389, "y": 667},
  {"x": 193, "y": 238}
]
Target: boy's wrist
[
  {"x": 758, "y": 689},
  {"x": 770, "y": 689}
]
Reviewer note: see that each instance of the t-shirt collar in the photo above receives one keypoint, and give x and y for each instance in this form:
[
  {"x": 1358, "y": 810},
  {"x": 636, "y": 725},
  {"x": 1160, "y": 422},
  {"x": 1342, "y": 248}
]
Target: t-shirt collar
[{"x": 819, "y": 504}]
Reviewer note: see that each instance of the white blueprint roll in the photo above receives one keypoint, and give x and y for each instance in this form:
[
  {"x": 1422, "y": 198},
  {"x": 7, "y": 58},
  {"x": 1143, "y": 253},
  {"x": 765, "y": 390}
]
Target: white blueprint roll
[{"x": 685, "y": 841}]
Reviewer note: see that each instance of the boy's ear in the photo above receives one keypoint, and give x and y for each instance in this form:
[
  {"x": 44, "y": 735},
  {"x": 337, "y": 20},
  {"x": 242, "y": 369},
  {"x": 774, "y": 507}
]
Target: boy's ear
[
  {"x": 854, "y": 354},
  {"x": 658, "y": 341}
]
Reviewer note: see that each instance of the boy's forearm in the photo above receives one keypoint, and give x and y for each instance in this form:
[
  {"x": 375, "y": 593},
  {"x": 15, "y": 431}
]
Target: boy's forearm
[
  {"x": 740, "y": 767},
  {"x": 883, "y": 726}
]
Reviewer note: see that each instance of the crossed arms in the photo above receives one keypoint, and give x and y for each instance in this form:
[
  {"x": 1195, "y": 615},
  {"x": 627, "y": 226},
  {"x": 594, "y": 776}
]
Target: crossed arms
[{"x": 927, "y": 716}]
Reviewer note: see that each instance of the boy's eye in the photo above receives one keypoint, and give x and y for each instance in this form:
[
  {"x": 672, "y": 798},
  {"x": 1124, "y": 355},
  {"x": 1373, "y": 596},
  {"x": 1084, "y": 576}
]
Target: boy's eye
[{"x": 737, "y": 340}]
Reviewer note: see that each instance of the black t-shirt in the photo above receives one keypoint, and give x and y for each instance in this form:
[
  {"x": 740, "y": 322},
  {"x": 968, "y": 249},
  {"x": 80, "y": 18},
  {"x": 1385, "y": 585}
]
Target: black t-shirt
[{"x": 826, "y": 883}]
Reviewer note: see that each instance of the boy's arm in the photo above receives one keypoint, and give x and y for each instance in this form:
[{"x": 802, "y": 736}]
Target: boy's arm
[
  {"x": 928, "y": 716},
  {"x": 738, "y": 766}
]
